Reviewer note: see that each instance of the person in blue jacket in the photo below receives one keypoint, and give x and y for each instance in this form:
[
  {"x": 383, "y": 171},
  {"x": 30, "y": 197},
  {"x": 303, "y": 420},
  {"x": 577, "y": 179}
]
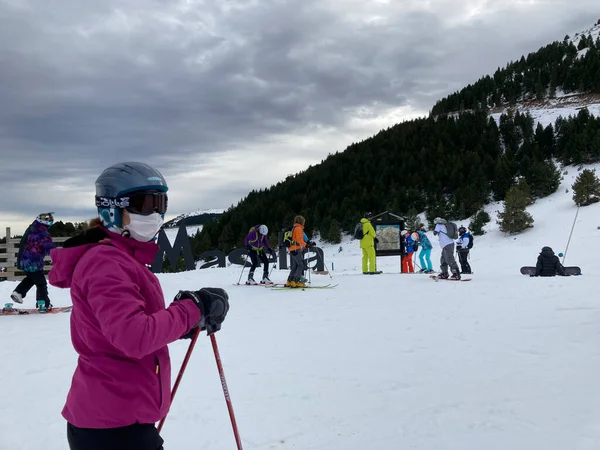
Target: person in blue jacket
[
  {"x": 425, "y": 254},
  {"x": 409, "y": 248},
  {"x": 463, "y": 245}
]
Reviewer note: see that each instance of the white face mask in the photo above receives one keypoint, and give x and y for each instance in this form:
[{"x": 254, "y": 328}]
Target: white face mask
[{"x": 144, "y": 228}]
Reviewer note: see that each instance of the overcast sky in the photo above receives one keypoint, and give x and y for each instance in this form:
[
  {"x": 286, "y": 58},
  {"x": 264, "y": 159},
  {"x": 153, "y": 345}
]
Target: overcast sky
[{"x": 223, "y": 96}]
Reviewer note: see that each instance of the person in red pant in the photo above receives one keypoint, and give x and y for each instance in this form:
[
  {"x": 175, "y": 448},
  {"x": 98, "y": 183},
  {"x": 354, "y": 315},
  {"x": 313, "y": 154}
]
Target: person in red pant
[{"x": 409, "y": 249}]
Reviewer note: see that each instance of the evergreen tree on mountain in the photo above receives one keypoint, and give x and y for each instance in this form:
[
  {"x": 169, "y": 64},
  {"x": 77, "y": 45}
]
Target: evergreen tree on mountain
[{"x": 448, "y": 165}]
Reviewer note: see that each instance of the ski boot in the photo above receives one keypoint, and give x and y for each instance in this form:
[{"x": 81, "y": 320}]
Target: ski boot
[
  {"x": 8, "y": 307},
  {"x": 290, "y": 284},
  {"x": 455, "y": 276},
  {"x": 266, "y": 280},
  {"x": 251, "y": 280},
  {"x": 443, "y": 276}
]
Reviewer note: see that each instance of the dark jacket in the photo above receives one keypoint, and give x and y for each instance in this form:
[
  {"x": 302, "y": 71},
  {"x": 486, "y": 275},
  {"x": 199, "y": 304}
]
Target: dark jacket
[
  {"x": 548, "y": 264},
  {"x": 35, "y": 244}
]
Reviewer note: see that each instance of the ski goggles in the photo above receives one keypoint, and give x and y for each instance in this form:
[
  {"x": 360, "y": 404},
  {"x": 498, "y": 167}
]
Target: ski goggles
[{"x": 143, "y": 203}]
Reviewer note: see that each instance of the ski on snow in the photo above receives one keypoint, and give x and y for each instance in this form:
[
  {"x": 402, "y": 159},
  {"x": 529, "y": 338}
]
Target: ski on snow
[{"x": 286, "y": 288}]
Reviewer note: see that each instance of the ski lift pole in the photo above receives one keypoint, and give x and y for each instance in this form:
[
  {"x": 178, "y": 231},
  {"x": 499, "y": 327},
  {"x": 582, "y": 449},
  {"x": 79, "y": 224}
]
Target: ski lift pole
[{"x": 571, "y": 234}]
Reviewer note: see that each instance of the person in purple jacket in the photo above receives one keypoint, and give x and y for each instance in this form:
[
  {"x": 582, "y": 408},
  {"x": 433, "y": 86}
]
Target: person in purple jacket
[
  {"x": 257, "y": 244},
  {"x": 35, "y": 244},
  {"x": 120, "y": 327}
]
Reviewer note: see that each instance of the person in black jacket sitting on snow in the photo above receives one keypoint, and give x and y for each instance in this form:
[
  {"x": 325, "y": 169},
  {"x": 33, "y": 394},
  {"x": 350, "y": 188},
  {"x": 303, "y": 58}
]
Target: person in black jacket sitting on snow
[{"x": 548, "y": 264}]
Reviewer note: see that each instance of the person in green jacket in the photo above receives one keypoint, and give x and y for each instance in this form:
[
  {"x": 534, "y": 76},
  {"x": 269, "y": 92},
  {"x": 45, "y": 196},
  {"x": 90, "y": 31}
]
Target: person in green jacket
[{"x": 367, "y": 244}]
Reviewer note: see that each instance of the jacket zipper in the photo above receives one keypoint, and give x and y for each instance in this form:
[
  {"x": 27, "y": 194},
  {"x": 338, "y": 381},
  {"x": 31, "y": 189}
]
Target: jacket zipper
[{"x": 157, "y": 371}]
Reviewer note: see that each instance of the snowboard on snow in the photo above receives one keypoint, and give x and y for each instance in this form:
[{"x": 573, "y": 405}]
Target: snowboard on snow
[
  {"x": 571, "y": 270},
  {"x": 437, "y": 278},
  {"x": 10, "y": 310}
]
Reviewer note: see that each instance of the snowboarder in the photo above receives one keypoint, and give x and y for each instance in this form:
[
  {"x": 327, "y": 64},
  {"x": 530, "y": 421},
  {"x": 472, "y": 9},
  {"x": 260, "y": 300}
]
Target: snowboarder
[
  {"x": 119, "y": 324},
  {"x": 297, "y": 249},
  {"x": 447, "y": 246},
  {"x": 257, "y": 244},
  {"x": 367, "y": 245},
  {"x": 548, "y": 264},
  {"x": 35, "y": 245},
  {"x": 463, "y": 245},
  {"x": 425, "y": 253},
  {"x": 407, "y": 256}
]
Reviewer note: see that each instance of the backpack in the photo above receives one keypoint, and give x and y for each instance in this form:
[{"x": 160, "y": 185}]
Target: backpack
[
  {"x": 358, "y": 231},
  {"x": 470, "y": 245},
  {"x": 287, "y": 237},
  {"x": 451, "y": 230}
]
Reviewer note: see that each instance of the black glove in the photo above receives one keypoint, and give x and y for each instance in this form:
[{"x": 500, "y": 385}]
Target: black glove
[
  {"x": 213, "y": 304},
  {"x": 435, "y": 233},
  {"x": 376, "y": 240},
  {"x": 312, "y": 244}
]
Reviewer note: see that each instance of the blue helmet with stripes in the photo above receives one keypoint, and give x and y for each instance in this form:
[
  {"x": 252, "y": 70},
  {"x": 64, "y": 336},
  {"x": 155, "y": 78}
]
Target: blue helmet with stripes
[{"x": 134, "y": 186}]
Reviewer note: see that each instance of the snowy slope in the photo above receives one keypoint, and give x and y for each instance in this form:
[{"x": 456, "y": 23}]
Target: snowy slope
[{"x": 381, "y": 362}]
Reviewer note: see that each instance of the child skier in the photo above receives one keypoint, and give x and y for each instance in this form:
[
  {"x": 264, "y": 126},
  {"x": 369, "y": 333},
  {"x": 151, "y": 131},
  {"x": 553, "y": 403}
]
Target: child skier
[
  {"x": 35, "y": 244},
  {"x": 425, "y": 254},
  {"x": 463, "y": 245},
  {"x": 407, "y": 257},
  {"x": 257, "y": 244},
  {"x": 297, "y": 249},
  {"x": 120, "y": 327}
]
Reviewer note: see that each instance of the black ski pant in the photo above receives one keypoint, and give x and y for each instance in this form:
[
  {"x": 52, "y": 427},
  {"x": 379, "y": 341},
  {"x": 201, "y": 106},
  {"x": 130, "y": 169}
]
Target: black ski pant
[
  {"x": 463, "y": 259},
  {"x": 297, "y": 265},
  {"x": 254, "y": 256},
  {"x": 38, "y": 279},
  {"x": 132, "y": 437}
]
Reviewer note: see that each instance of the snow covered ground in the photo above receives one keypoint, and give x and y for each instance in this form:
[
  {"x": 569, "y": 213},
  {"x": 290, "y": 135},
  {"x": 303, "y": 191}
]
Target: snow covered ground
[{"x": 380, "y": 363}]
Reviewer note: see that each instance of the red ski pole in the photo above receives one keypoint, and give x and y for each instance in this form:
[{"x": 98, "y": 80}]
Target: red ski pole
[
  {"x": 238, "y": 441},
  {"x": 181, "y": 372}
]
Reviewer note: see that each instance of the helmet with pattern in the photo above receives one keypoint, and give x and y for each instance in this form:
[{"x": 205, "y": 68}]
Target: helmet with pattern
[{"x": 132, "y": 186}]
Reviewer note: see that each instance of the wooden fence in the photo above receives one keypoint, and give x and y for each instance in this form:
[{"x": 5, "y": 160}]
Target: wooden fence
[{"x": 8, "y": 257}]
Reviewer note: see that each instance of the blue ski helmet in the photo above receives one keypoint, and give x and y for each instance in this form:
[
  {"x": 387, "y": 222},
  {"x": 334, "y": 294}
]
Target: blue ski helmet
[{"x": 134, "y": 186}]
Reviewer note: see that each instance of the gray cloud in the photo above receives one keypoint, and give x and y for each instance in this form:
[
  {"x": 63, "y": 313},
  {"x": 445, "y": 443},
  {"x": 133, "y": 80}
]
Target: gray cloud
[{"x": 191, "y": 85}]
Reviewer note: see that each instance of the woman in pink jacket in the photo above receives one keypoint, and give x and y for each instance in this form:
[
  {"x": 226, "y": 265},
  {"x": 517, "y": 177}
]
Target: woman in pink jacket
[{"x": 119, "y": 324}]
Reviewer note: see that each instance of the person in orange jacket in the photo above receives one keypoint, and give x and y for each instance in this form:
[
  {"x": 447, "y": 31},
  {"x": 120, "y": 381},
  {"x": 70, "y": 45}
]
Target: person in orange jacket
[{"x": 297, "y": 250}]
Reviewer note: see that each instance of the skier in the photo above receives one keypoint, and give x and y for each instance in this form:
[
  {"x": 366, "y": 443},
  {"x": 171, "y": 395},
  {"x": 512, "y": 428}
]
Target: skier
[
  {"x": 447, "y": 246},
  {"x": 463, "y": 245},
  {"x": 119, "y": 324},
  {"x": 297, "y": 249},
  {"x": 257, "y": 244},
  {"x": 548, "y": 264},
  {"x": 425, "y": 254},
  {"x": 35, "y": 244},
  {"x": 367, "y": 244},
  {"x": 407, "y": 256}
]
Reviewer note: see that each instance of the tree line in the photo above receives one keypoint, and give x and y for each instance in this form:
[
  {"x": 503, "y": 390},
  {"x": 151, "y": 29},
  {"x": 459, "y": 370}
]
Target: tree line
[
  {"x": 560, "y": 65},
  {"x": 448, "y": 166}
]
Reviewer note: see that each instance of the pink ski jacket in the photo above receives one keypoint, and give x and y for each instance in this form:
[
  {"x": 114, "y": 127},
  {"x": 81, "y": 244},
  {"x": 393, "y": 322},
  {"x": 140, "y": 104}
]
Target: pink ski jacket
[{"x": 120, "y": 330}]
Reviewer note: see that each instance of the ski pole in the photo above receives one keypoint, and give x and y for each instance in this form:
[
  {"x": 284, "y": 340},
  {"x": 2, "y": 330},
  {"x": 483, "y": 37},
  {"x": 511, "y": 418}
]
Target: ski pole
[
  {"x": 236, "y": 434},
  {"x": 243, "y": 268},
  {"x": 181, "y": 372}
]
